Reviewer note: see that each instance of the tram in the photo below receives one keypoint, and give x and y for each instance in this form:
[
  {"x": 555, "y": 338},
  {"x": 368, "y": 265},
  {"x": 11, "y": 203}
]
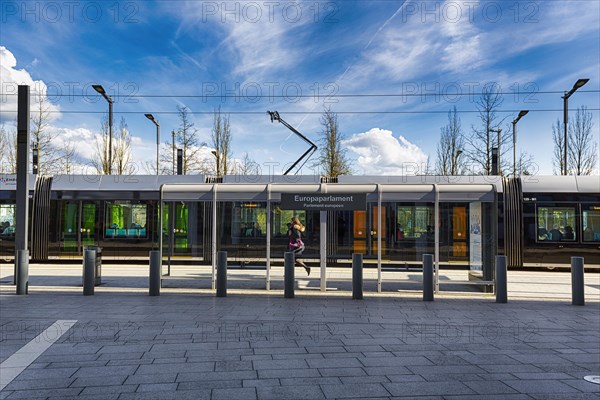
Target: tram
[{"x": 537, "y": 221}]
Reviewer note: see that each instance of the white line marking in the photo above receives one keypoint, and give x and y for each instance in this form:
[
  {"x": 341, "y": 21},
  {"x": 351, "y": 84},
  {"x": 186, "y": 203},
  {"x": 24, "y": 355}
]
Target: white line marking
[{"x": 26, "y": 355}]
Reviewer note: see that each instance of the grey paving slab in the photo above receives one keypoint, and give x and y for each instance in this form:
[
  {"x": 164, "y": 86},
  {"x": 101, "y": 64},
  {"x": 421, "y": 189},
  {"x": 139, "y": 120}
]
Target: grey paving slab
[
  {"x": 279, "y": 364},
  {"x": 106, "y": 390},
  {"x": 226, "y": 366},
  {"x": 489, "y": 387},
  {"x": 489, "y": 397},
  {"x": 161, "y": 377},
  {"x": 343, "y": 372},
  {"x": 309, "y": 381},
  {"x": 193, "y": 345},
  {"x": 353, "y": 390},
  {"x": 247, "y": 393},
  {"x": 289, "y": 392},
  {"x": 99, "y": 381},
  {"x": 175, "y": 368},
  {"x": 539, "y": 386},
  {"x": 93, "y": 372},
  {"x": 177, "y": 395},
  {"x": 428, "y": 388},
  {"x": 157, "y": 387},
  {"x": 288, "y": 373},
  {"x": 197, "y": 385},
  {"x": 44, "y": 393}
]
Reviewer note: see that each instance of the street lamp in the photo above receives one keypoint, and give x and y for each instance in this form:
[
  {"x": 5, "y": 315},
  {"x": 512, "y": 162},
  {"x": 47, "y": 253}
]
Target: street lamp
[
  {"x": 514, "y": 124},
  {"x": 151, "y": 118},
  {"x": 100, "y": 89},
  {"x": 568, "y": 94},
  {"x": 499, "y": 131},
  {"x": 173, "y": 146}
]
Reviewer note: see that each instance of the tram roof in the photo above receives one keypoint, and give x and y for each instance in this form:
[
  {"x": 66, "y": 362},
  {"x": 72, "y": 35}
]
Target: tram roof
[
  {"x": 237, "y": 189},
  {"x": 561, "y": 184},
  {"x": 294, "y": 183}
]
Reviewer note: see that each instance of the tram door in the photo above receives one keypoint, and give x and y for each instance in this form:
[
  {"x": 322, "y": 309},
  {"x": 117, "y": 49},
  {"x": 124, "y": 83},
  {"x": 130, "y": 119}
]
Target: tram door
[
  {"x": 366, "y": 232},
  {"x": 459, "y": 231},
  {"x": 78, "y": 226},
  {"x": 87, "y": 230}
]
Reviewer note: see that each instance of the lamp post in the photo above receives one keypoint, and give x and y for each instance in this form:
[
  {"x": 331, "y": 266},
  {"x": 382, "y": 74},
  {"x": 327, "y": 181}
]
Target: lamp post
[
  {"x": 100, "y": 89},
  {"x": 522, "y": 113},
  {"x": 568, "y": 94},
  {"x": 151, "y": 118},
  {"x": 173, "y": 145},
  {"x": 499, "y": 131}
]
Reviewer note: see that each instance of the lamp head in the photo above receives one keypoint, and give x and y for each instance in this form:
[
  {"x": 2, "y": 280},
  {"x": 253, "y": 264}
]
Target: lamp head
[
  {"x": 150, "y": 117},
  {"x": 99, "y": 89},
  {"x": 523, "y": 113},
  {"x": 577, "y": 85},
  {"x": 580, "y": 83}
]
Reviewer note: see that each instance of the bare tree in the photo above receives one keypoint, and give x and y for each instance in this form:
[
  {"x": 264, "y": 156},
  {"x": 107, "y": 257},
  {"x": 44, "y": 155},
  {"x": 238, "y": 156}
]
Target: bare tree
[
  {"x": 221, "y": 142},
  {"x": 526, "y": 164},
  {"x": 558, "y": 165},
  {"x": 122, "y": 150},
  {"x": 67, "y": 159},
  {"x": 100, "y": 158},
  {"x": 8, "y": 151},
  {"x": 484, "y": 138},
  {"x": 186, "y": 138},
  {"x": 247, "y": 166},
  {"x": 450, "y": 149},
  {"x": 583, "y": 150},
  {"x": 49, "y": 153},
  {"x": 333, "y": 159}
]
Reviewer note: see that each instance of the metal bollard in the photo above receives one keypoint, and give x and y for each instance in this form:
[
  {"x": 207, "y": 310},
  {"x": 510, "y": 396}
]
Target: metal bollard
[
  {"x": 427, "y": 277},
  {"x": 222, "y": 274},
  {"x": 501, "y": 280},
  {"x": 357, "y": 276},
  {"x": 288, "y": 270},
  {"x": 22, "y": 271},
  {"x": 89, "y": 272},
  {"x": 155, "y": 279},
  {"x": 577, "y": 281}
]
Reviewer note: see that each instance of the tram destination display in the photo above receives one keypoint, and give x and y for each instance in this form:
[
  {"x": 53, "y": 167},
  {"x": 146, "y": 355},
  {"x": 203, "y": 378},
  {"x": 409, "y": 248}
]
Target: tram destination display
[{"x": 324, "y": 201}]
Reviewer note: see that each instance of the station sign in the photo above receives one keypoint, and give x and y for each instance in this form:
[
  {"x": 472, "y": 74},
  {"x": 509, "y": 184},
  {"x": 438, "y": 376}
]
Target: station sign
[{"x": 324, "y": 201}]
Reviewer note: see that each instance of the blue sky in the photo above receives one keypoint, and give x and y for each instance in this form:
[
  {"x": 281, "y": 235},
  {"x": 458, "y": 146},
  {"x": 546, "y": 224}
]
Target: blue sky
[{"x": 183, "y": 50}]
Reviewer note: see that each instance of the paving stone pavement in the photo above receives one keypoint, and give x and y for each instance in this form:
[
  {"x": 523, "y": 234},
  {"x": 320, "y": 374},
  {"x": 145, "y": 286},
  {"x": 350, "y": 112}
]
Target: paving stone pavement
[{"x": 192, "y": 345}]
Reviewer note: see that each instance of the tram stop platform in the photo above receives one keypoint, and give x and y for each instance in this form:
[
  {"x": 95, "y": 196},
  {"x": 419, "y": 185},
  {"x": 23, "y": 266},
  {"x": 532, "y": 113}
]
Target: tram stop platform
[{"x": 122, "y": 344}]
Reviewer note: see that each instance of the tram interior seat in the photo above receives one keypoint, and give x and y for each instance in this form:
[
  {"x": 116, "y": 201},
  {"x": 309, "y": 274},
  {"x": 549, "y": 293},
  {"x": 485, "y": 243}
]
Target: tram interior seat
[{"x": 125, "y": 233}]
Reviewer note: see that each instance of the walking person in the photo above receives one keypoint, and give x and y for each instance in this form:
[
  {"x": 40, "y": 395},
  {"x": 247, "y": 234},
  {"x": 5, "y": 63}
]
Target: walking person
[{"x": 296, "y": 245}]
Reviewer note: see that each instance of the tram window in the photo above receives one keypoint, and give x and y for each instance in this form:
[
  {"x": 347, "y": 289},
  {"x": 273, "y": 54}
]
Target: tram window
[
  {"x": 7, "y": 221},
  {"x": 249, "y": 220},
  {"x": 415, "y": 220},
  {"x": 591, "y": 224},
  {"x": 556, "y": 224},
  {"x": 126, "y": 220},
  {"x": 281, "y": 219}
]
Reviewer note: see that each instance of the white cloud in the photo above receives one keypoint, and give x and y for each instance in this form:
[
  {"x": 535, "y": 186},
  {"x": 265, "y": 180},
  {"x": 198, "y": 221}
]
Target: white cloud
[
  {"x": 10, "y": 79},
  {"x": 380, "y": 153}
]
